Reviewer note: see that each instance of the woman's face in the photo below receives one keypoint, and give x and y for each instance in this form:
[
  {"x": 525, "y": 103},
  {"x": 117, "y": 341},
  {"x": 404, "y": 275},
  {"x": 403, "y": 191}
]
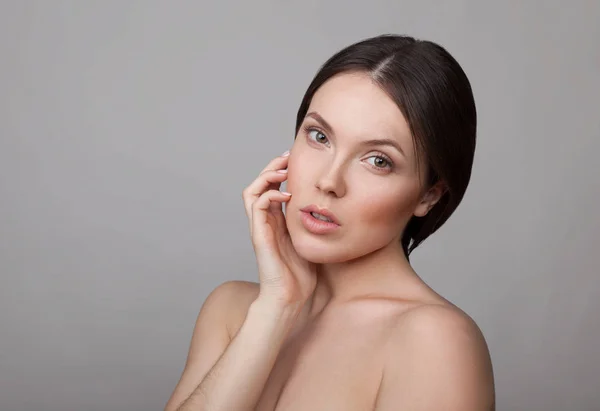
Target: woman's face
[{"x": 373, "y": 190}]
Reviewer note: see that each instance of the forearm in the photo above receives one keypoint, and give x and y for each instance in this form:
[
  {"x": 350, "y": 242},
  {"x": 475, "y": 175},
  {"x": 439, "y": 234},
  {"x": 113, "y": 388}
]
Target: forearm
[{"x": 236, "y": 381}]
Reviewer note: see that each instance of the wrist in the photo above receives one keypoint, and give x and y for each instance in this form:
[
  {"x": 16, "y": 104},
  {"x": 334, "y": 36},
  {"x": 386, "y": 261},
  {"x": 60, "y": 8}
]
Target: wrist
[{"x": 271, "y": 307}]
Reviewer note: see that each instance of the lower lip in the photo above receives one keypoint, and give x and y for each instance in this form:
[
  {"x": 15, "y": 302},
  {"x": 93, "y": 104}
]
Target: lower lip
[{"x": 317, "y": 226}]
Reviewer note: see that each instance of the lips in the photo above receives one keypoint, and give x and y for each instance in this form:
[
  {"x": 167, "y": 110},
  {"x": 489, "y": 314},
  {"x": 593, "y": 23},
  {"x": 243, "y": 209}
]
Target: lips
[{"x": 323, "y": 211}]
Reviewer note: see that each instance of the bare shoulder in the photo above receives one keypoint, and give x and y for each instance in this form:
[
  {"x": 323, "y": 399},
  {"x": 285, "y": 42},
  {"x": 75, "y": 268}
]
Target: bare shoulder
[
  {"x": 221, "y": 316},
  {"x": 437, "y": 320},
  {"x": 437, "y": 357},
  {"x": 237, "y": 296}
]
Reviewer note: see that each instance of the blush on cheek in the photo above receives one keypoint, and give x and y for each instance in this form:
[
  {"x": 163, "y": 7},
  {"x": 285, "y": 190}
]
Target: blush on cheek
[{"x": 382, "y": 211}]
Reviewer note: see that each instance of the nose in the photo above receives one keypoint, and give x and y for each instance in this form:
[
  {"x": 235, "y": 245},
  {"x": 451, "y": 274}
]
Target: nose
[{"x": 331, "y": 180}]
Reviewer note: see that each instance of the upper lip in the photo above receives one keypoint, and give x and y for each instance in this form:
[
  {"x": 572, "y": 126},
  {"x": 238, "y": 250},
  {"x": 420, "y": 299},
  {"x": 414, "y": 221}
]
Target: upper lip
[{"x": 323, "y": 211}]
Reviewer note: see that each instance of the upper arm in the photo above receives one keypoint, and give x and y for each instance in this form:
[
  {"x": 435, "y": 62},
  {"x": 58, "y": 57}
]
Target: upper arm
[
  {"x": 437, "y": 359},
  {"x": 221, "y": 315}
]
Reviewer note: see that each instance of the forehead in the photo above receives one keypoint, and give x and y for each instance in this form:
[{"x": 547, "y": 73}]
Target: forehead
[{"x": 355, "y": 106}]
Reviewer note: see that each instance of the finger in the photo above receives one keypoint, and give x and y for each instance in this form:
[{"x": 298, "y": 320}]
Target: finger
[
  {"x": 277, "y": 163},
  {"x": 259, "y": 186},
  {"x": 268, "y": 180},
  {"x": 249, "y": 199},
  {"x": 264, "y": 181},
  {"x": 277, "y": 211},
  {"x": 260, "y": 212}
]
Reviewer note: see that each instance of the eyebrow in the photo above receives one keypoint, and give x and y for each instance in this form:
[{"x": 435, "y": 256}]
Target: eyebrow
[{"x": 372, "y": 142}]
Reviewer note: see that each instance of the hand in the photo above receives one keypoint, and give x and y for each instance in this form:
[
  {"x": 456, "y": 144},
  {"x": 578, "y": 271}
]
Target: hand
[{"x": 285, "y": 277}]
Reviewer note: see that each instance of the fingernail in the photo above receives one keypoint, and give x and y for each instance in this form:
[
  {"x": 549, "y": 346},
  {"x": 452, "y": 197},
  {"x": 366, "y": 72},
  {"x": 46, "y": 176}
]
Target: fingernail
[
  {"x": 287, "y": 153},
  {"x": 284, "y": 171},
  {"x": 286, "y": 193}
]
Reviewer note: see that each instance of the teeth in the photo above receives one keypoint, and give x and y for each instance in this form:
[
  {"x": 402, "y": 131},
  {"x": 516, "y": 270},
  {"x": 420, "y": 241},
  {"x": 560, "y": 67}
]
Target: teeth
[{"x": 321, "y": 217}]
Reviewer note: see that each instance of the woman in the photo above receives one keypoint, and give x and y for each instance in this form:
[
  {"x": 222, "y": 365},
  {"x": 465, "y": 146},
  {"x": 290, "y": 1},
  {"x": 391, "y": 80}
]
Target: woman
[{"x": 385, "y": 138}]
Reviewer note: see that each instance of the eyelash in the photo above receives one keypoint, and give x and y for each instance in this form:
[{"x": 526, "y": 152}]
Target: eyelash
[{"x": 308, "y": 129}]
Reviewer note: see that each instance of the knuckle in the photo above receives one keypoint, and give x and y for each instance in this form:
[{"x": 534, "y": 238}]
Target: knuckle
[
  {"x": 247, "y": 194},
  {"x": 271, "y": 171}
]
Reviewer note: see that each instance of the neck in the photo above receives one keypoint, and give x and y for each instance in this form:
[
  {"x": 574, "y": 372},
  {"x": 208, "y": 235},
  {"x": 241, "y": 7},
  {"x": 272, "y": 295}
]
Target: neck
[{"x": 384, "y": 272}]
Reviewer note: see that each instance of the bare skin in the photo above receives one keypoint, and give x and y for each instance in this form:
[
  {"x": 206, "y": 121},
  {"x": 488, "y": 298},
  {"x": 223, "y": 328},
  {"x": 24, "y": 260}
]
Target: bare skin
[
  {"x": 336, "y": 360},
  {"x": 334, "y": 356},
  {"x": 338, "y": 321}
]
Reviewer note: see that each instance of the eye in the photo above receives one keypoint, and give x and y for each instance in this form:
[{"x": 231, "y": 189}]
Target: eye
[
  {"x": 319, "y": 137},
  {"x": 381, "y": 162}
]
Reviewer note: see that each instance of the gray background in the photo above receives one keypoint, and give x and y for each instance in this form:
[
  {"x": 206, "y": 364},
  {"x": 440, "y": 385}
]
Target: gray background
[{"x": 128, "y": 131}]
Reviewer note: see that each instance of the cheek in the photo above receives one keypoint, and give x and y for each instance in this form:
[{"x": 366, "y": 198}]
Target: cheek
[
  {"x": 384, "y": 208},
  {"x": 378, "y": 207},
  {"x": 299, "y": 169}
]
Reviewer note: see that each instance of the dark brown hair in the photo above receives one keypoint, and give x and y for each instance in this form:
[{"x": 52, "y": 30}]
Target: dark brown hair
[{"x": 436, "y": 99}]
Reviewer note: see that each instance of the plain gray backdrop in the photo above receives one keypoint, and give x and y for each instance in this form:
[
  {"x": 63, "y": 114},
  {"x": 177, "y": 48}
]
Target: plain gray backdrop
[{"x": 128, "y": 130}]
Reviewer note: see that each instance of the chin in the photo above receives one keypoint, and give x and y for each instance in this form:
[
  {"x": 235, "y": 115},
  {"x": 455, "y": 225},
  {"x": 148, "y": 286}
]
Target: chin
[
  {"x": 320, "y": 250},
  {"x": 314, "y": 252}
]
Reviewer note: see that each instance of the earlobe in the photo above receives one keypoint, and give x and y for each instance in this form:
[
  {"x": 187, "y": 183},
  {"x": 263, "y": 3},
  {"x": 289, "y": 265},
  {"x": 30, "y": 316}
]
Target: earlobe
[
  {"x": 423, "y": 208},
  {"x": 429, "y": 200}
]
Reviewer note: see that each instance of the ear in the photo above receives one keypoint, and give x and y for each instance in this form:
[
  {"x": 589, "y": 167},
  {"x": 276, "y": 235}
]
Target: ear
[{"x": 429, "y": 199}]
